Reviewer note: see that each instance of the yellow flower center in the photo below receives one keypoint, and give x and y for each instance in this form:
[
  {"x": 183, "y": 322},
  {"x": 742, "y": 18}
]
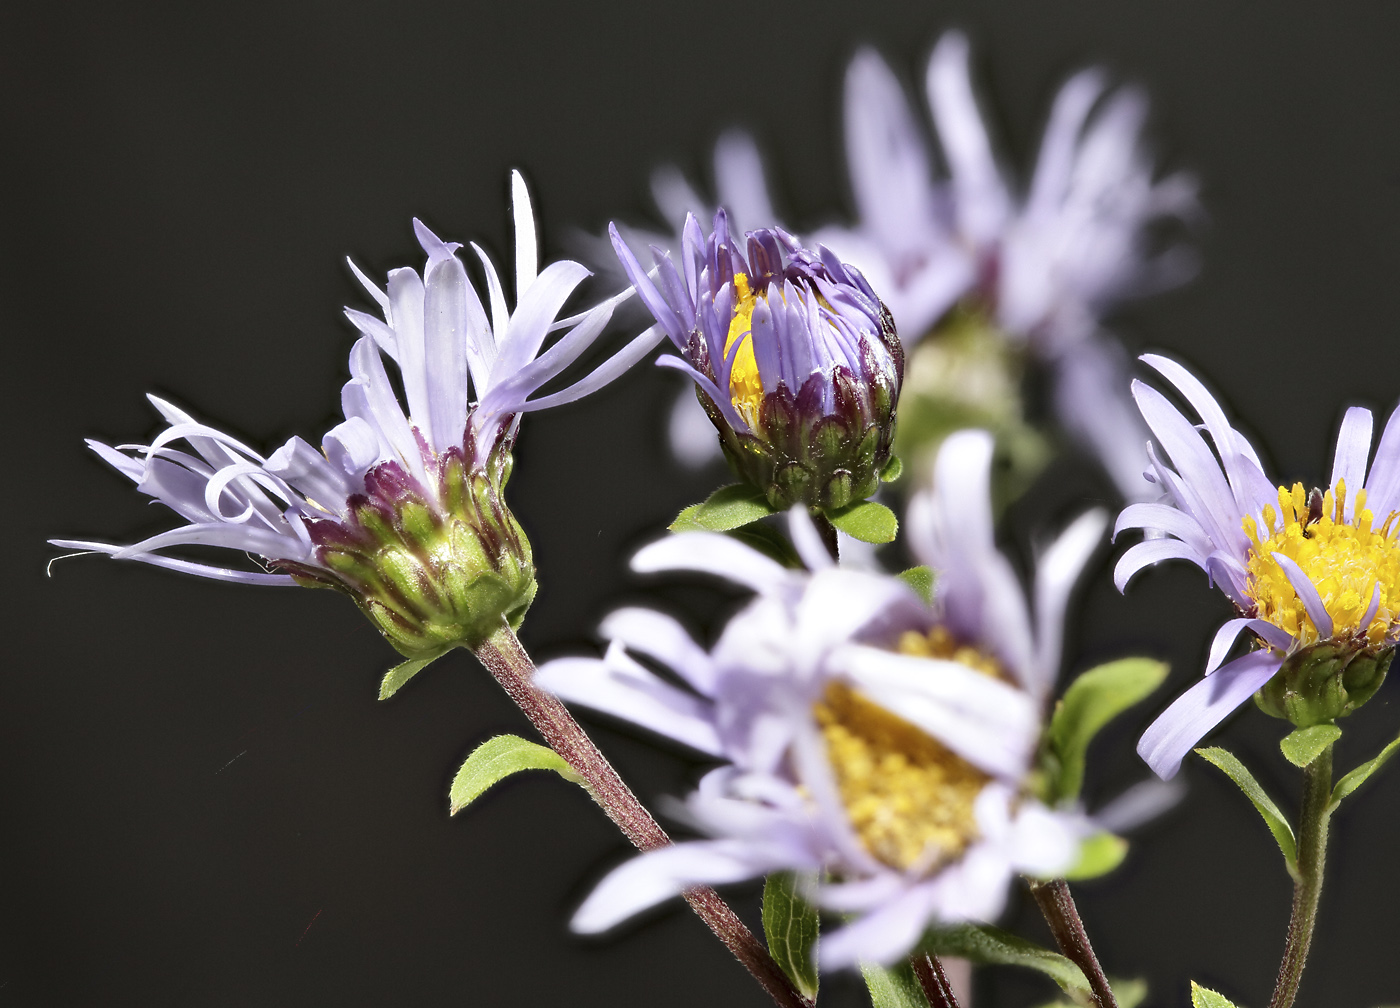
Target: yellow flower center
[
  {"x": 745, "y": 386},
  {"x": 1345, "y": 561},
  {"x": 939, "y": 643},
  {"x": 908, "y": 796}
]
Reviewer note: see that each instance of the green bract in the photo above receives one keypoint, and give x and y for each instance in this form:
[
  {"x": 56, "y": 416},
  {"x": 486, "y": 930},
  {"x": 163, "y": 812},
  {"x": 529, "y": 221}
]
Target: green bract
[
  {"x": 1324, "y": 681},
  {"x": 430, "y": 575}
]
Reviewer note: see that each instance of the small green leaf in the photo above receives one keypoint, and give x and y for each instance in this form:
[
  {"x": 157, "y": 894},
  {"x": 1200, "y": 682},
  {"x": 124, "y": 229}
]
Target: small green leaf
[
  {"x": 921, "y": 580},
  {"x": 403, "y": 672},
  {"x": 1099, "y": 854},
  {"x": 727, "y": 508},
  {"x": 866, "y": 520},
  {"x": 1202, "y": 997},
  {"x": 893, "y": 988},
  {"x": 987, "y": 945},
  {"x": 893, "y": 469},
  {"x": 1303, "y": 746},
  {"x": 1128, "y": 994},
  {"x": 1357, "y": 777},
  {"x": 1091, "y": 701},
  {"x": 790, "y": 926},
  {"x": 498, "y": 758},
  {"x": 1273, "y": 818}
]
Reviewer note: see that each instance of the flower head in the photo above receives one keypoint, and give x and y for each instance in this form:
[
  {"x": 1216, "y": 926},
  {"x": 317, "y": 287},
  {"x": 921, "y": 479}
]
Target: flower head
[
  {"x": 401, "y": 507},
  {"x": 865, "y": 734},
  {"x": 1041, "y": 267},
  {"x": 1314, "y": 576},
  {"x": 793, "y": 356}
]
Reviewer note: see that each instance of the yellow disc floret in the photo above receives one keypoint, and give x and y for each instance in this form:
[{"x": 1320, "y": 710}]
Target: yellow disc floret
[
  {"x": 1345, "y": 561},
  {"x": 745, "y": 386},
  {"x": 939, "y": 643},
  {"x": 909, "y": 798}
]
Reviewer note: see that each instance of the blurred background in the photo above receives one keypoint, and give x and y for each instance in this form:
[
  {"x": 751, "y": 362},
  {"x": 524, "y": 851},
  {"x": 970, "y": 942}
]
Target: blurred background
[{"x": 204, "y": 802}]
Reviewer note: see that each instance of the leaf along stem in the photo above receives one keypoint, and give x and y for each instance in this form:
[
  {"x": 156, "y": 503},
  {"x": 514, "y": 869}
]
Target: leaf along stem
[
  {"x": 507, "y": 661},
  {"x": 929, "y": 972},
  {"x": 1307, "y": 888},
  {"x": 1057, "y": 906}
]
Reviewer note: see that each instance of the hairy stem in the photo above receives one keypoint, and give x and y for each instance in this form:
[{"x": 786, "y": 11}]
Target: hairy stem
[
  {"x": 1057, "y": 906},
  {"x": 929, "y": 972},
  {"x": 1307, "y": 887},
  {"x": 828, "y": 534},
  {"x": 507, "y": 661}
]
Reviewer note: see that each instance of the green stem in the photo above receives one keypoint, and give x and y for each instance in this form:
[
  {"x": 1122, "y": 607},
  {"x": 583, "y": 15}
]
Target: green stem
[
  {"x": 1307, "y": 887},
  {"x": 1057, "y": 907},
  {"x": 507, "y": 661}
]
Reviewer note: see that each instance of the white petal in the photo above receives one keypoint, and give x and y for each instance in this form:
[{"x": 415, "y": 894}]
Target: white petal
[{"x": 713, "y": 553}]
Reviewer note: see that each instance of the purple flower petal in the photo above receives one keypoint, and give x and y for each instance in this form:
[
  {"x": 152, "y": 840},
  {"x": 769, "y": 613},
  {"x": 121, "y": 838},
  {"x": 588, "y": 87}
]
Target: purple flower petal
[{"x": 1197, "y": 711}]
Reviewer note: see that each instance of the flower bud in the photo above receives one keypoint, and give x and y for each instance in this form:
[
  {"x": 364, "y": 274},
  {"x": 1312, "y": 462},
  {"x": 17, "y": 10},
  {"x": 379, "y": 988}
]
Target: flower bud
[
  {"x": 795, "y": 360},
  {"x": 1324, "y": 681}
]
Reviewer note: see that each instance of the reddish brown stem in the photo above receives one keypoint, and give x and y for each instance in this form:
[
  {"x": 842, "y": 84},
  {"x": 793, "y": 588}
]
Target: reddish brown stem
[
  {"x": 1057, "y": 906},
  {"x": 507, "y": 661},
  {"x": 929, "y": 972}
]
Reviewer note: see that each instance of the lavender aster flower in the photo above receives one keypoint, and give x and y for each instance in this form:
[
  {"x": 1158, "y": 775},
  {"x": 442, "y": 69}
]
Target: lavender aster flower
[
  {"x": 401, "y": 508},
  {"x": 865, "y": 734},
  {"x": 794, "y": 357},
  {"x": 1314, "y": 577},
  {"x": 1041, "y": 268}
]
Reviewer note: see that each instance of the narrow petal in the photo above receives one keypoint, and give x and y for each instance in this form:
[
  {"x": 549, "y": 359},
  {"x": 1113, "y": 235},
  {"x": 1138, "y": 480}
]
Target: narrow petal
[
  {"x": 658, "y": 875},
  {"x": 183, "y": 566},
  {"x": 1353, "y": 452},
  {"x": 527, "y": 253},
  {"x": 807, "y": 540},
  {"x": 1055, "y": 575},
  {"x": 713, "y": 553},
  {"x": 883, "y": 935},
  {"x": 1145, "y": 554},
  {"x": 1383, "y": 482},
  {"x": 619, "y": 686},
  {"x": 1230, "y": 631},
  {"x": 663, "y": 638},
  {"x": 1197, "y": 711},
  {"x": 1307, "y": 593}
]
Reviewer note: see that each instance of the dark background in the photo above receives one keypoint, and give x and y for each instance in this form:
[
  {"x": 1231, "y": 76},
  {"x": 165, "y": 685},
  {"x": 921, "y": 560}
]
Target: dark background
[{"x": 204, "y": 804}]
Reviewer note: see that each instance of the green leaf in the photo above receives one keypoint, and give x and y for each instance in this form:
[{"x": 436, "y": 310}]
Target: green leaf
[
  {"x": 1357, "y": 777},
  {"x": 893, "y": 469},
  {"x": 498, "y": 758},
  {"x": 893, "y": 988},
  {"x": 790, "y": 926},
  {"x": 403, "y": 672},
  {"x": 1128, "y": 994},
  {"x": 987, "y": 945},
  {"x": 1091, "y": 701},
  {"x": 727, "y": 508},
  {"x": 1099, "y": 854},
  {"x": 921, "y": 580},
  {"x": 1306, "y": 744},
  {"x": 1273, "y": 818},
  {"x": 1202, "y": 997},
  {"x": 866, "y": 520}
]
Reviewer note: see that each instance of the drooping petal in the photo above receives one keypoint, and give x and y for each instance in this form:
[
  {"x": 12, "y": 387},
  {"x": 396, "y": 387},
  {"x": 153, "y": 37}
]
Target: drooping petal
[
  {"x": 1230, "y": 631},
  {"x": 663, "y": 638},
  {"x": 713, "y": 553},
  {"x": 1197, "y": 711}
]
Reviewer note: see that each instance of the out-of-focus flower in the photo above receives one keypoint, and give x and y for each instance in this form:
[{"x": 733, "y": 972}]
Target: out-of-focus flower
[
  {"x": 1314, "y": 576},
  {"x": 795, "y": 359},
  {"x": 401, "y": 508},
  {"x": 1042, "y": 266},
  {"x": 866, "y": 735}
]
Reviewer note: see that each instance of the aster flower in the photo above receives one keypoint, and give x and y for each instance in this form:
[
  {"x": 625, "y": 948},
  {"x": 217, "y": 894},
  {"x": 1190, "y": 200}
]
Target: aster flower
[
  {"x": 1041, "y": 267},
  {"x": 1314, "y": 577},
  {"x": 795, "y": 359},
  {"x": 401, "y": 508},
  {"x": 865, "y": 734}
]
